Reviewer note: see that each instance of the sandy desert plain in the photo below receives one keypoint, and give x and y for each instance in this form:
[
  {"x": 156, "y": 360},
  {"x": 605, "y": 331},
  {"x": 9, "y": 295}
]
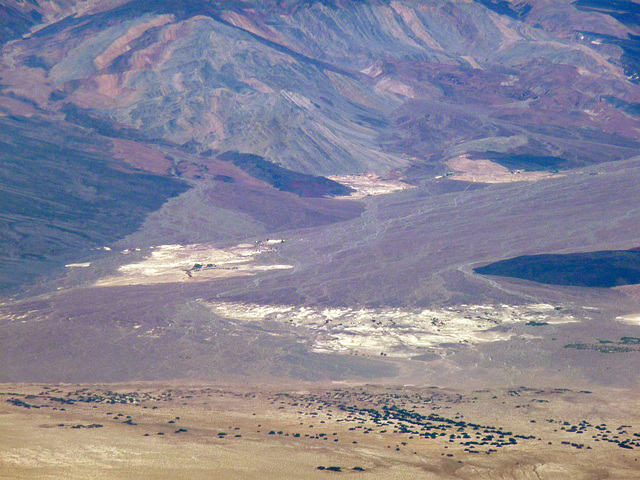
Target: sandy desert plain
[{"x": 302, "y": 430}]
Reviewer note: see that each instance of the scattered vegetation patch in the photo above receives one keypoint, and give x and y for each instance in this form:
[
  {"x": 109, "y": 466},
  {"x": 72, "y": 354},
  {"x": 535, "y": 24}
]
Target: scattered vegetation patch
[{"x": 625, "y": 345}]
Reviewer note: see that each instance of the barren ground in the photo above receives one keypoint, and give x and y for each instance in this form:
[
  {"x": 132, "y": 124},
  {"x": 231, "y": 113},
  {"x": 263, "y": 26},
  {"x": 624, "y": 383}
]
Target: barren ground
[
  {"x": 197, "y": 262},
  {"x": 369, "y": 185},
  {"x": 486, "y": 171},
  {"x": 289, "y": 430}
]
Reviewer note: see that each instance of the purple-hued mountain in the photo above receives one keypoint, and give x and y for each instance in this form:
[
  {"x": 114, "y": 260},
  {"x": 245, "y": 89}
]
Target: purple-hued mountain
[{"x": 512, "y": 127}]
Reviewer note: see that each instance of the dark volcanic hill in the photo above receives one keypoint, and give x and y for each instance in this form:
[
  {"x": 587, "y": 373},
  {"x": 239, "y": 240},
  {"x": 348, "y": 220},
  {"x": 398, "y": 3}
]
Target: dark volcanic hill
[
  {"x": 589, "y": 269},
  {"x": 212, "y": 145}
]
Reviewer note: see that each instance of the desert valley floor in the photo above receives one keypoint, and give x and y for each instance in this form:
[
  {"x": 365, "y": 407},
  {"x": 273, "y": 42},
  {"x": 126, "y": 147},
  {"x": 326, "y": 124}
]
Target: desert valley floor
[{"x": 289, "y": 431}]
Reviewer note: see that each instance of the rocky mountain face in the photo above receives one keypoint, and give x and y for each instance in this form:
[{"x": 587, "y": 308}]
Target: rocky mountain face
[{"x": 330, "y": 87}]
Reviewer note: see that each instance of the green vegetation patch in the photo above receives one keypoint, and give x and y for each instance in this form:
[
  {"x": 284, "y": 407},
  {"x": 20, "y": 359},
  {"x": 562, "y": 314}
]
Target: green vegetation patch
[{"x": 625, "y": 345}]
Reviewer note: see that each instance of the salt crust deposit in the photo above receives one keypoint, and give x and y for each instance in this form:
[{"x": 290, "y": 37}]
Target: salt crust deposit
[
  {"x": 369, "y": 184},
  {"x": 393, "y": 331},
  {"x": 633, "y": 319},
  {"x": 196, "y": 262}
]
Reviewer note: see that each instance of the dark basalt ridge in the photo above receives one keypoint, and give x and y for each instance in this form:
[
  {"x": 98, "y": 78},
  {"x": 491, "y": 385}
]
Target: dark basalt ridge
[
  {"x": 283, "y": 179},
  {"x": 604, "y": 269}
]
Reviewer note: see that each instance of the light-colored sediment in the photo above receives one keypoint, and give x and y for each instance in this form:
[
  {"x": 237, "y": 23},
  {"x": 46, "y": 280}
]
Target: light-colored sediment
[
  {"x": 395, "y": 332},
  {"x": 632, "y": 319},
  {"x": 486, "y": 171},
  {"x": 369, "y": 185},
  {"x": 193, "y": 263}
]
